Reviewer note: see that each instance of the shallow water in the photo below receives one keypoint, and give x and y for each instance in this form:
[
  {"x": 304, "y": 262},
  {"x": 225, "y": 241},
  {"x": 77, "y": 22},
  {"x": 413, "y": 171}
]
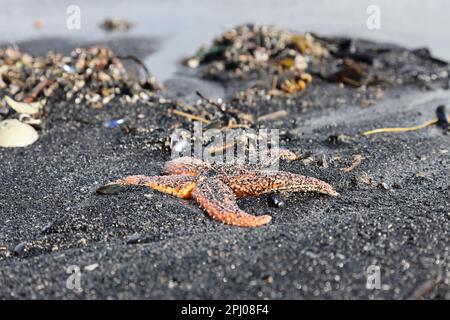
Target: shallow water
[{"x": 184, "y": 25}]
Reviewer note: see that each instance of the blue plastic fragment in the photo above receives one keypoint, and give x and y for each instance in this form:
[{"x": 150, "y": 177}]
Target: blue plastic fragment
[{"x": 113, "y": 123}]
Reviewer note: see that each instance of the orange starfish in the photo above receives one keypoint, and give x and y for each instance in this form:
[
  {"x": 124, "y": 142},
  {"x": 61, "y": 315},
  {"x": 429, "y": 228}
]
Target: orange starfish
[{"x": 216, "y": 186}]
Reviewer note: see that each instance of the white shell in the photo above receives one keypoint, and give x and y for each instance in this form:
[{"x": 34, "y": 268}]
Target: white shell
[
  {"x": 26, "y": 108},
  {"x": 14, "y": 133}
]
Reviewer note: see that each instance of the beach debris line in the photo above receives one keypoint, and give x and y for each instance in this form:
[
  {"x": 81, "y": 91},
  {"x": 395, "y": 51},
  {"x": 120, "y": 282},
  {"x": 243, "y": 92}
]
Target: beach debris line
[
  {"x": 231, "y": 123},
  {"x": 267, "y": 62},
  {"x": 93, "y": 76},
  {"x": 215, "y": 186},
  {"x": 248, "y": 51},
  {"x": 213, "y": 114},
  {"x": 442, "y": 121}
]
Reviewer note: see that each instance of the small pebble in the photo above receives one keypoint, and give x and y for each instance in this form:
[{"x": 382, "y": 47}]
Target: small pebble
[
  {"x": 384, "y": 186},
  {"x": 442, "y": 117},
  {"x": 20, "y": 248},
  {"x": 91, "y": 267},
  {"x": 275, "y": 200},
  {"x": 268, "y": 279},
  {"x": 134, "y": 238}
]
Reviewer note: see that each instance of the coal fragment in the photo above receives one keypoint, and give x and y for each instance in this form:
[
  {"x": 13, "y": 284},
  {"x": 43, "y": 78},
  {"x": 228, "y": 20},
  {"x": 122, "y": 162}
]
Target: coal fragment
[
  {"x": 337, "y": 139},
  {"x": 442, "y": 117},
  {"x": 134, "y": 238}
]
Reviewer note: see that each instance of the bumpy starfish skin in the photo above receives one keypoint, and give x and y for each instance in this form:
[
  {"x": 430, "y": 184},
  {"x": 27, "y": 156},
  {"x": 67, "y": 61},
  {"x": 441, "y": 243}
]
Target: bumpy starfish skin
[
  {"x": 216, "y": 186},
  {"x": 219, "y": 201}
]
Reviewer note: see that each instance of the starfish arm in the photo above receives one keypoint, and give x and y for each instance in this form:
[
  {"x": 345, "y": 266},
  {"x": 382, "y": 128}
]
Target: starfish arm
[
  {"x": 186, "y": 165},
  {"x": 260, "y": 182},
  {"x": 219, "y": 201},
  {"x": 176, "y": 185}
]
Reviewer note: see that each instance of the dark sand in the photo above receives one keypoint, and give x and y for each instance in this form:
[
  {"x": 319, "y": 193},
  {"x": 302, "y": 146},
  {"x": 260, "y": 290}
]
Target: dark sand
[{"x": 315, "y": 247}]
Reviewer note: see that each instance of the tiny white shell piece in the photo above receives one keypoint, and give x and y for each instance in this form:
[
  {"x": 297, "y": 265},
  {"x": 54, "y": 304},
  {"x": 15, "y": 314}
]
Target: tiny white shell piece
[{"x": 26, "y": 108}]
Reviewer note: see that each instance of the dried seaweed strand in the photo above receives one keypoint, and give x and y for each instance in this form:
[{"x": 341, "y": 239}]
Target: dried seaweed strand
[
  {"x": 191, "y": 116},
  {"x": 406, "y": 129}
]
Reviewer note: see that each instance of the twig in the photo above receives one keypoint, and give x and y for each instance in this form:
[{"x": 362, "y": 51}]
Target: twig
[
  {"x": 191, "y": 116},
  {"x": 236, "y": 126},
  {"x": 273, "y": 115},
  {"x": 36, "y": 90},
  {"x": 209, "y": 100},
  {"x": 426, "y": 287},
  {"x": 221, "y": 148},
  {"x": 357, "y": 160}
]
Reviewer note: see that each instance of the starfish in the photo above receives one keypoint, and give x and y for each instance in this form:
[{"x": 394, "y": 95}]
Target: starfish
[{"x": 215, "y": 187}]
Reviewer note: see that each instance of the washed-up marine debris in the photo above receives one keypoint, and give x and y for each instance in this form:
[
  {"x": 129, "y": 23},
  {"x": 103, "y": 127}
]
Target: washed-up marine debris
[
  {"x": 218, "y": 114},
  {"x": 358, "y": 63},
  {"x": 264, "y": 62},
  {"x": 251, "y": 51},
  {"x": 93, "y": 76},
  {"x": 215, "y": 187},
  {"x": 222, "y": 114},
  {"x": 442, "y": 120},
  {"x": 238, "y": 124},
  {"x": 14, "y": 133}
]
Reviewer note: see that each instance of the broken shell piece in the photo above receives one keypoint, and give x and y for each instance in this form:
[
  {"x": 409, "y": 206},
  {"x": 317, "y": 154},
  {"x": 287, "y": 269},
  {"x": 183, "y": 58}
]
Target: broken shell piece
[
  {"x": 14, "y": 133},
  {"x": 25, "y": 118},
  {"x": 26, "y": 108}
]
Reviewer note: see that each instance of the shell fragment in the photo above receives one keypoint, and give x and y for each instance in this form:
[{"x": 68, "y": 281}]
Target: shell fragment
[
  {"x": 14, "y": 133},
  {"x": 26, "y": 108}
]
